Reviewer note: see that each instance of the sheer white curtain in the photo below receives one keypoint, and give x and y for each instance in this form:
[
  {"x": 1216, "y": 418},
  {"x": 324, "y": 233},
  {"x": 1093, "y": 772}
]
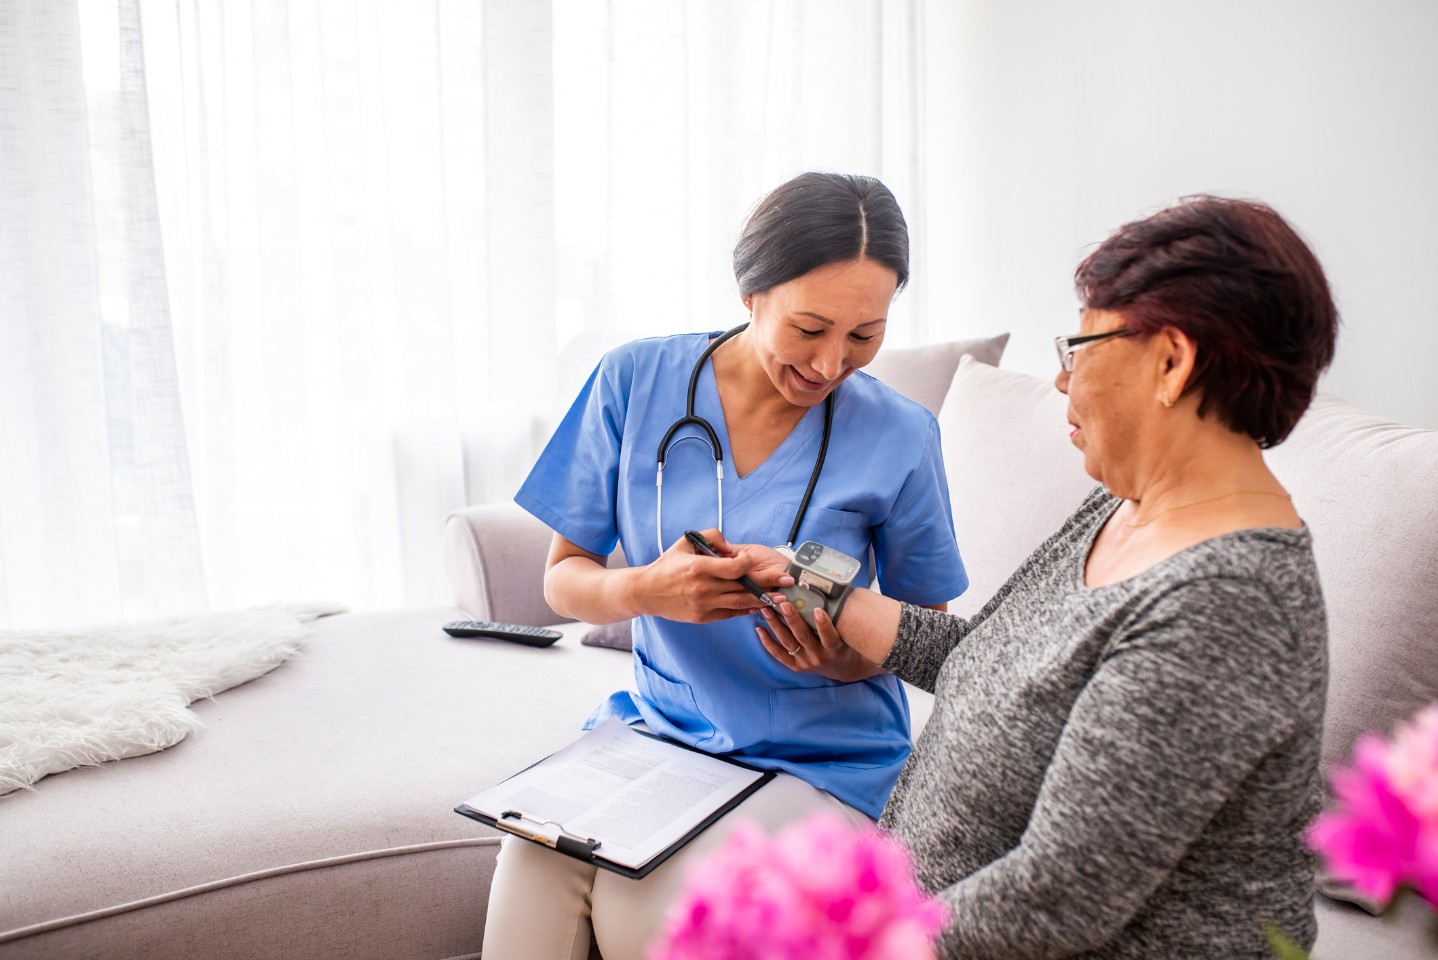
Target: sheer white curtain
[
  {"x": 359, "y": 211},
  {"x": 285, "y": 283},
  {"x": 97, "y": 513}
]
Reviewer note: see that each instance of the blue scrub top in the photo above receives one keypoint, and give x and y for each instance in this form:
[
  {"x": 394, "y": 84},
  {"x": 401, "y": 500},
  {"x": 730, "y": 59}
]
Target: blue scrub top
[{"x": 714, "y": 686}]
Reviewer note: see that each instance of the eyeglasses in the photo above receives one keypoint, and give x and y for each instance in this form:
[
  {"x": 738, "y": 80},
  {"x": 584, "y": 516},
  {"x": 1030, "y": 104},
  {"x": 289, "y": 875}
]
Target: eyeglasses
[{"x": 1068, "y": 346}]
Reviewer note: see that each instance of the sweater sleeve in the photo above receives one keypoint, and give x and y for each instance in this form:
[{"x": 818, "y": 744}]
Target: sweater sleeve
[
  {"x": 926, "y": 637},
  {"x": 1193, "y": 692}
]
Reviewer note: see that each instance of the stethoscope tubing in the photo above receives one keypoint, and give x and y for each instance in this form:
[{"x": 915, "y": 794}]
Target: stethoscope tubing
[{"x": 690, "y": 418}]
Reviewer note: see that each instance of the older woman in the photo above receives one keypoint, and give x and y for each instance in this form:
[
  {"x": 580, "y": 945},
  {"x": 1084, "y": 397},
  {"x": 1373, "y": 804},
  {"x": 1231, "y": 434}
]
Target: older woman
[{"x": 1124, "y": 746}]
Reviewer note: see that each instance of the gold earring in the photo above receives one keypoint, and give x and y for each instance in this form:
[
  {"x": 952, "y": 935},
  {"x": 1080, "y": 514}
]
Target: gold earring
[{"x": 1167, "y": 400}]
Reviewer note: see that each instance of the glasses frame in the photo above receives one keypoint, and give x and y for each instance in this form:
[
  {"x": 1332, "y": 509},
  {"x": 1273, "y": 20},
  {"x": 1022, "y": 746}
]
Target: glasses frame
[{"x": 1068, "y": 346}]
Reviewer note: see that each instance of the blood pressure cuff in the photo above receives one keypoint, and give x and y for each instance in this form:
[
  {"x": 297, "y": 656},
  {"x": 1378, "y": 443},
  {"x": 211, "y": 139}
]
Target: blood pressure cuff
[{"x": 812, "y": 591}]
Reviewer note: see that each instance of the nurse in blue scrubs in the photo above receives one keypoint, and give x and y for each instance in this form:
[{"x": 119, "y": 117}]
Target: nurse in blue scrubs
[{"x": 770, "y": 433}]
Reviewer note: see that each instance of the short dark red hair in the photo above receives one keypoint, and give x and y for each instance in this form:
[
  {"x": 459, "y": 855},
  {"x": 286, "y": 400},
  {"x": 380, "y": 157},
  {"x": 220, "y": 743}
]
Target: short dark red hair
[{"x": 1236, "y": 279}]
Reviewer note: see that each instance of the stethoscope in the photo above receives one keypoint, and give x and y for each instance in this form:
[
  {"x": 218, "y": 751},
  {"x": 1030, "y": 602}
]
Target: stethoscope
[{"x": 691, "y": 418}]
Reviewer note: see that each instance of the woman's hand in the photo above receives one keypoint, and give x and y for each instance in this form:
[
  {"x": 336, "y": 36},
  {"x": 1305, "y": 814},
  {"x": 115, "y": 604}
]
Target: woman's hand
[
  {"x": 692, "y": 588},
  {"x": 770, "y": 567},
  {"x": 792, "y": 643}
]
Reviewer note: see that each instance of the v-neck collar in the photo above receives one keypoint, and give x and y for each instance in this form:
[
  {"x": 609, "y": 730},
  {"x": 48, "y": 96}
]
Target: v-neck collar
[
  {"x": 779, "y": 459},
  {"x": 1080, "y": 577}
]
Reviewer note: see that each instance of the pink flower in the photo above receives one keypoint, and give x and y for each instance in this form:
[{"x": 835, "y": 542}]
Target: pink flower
[
  {"x": 1384, "y": 834},
  {"x": 818, "y": 889},
  {"x": 1412, "y": 762}
]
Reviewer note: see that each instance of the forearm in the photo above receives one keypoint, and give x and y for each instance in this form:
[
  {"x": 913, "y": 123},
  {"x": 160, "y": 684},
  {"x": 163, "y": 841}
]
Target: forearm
[
  {"x": 584, "y": 589},
  {"x": 928, "y": 635},
  {"x": 870, "y": 666},
  {"x": 680, "y": 585},
  {"x": 869, "y": 624}
]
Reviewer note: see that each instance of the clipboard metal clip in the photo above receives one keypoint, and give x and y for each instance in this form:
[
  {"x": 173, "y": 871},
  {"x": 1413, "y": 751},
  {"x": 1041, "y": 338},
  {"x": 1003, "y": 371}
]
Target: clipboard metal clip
[{"x": 515, "y": 822}]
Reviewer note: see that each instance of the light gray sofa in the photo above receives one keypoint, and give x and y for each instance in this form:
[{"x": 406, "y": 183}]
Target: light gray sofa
[{"x": 312, "y": 816}]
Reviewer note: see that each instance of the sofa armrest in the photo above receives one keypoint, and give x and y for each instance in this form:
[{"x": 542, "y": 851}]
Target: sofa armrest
[{"x": 494, "y": 556}]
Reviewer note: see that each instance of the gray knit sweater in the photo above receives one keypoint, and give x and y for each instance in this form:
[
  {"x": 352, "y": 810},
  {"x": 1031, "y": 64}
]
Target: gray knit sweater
[{"x": 1123, "y": 771}]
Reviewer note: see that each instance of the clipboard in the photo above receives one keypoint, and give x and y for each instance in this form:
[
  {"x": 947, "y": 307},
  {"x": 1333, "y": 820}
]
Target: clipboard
[{"x": 633, "y": 777}]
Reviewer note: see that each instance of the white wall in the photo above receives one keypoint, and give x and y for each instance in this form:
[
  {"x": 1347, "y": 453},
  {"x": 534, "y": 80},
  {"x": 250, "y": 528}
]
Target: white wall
[{"x": 1048, "y": 124}]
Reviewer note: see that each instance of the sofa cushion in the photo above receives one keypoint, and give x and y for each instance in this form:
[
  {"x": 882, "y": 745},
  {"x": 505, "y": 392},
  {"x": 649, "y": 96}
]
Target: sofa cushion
[
  {"x": 1346, "y": 932},
  {"x": 312, "y": 813},
  {"x": 994, "y": 421},
  {"x": 1365, "y": 486}
]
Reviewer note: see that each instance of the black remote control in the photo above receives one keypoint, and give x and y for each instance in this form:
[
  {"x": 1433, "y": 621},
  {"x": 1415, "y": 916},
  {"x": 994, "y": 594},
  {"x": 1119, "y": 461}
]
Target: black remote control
[{"x": 518, "y": 633}]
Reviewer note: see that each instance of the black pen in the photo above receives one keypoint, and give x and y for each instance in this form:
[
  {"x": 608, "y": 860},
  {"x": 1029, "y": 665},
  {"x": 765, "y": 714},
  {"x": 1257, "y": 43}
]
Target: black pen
[{"x": 696, "y": 539}]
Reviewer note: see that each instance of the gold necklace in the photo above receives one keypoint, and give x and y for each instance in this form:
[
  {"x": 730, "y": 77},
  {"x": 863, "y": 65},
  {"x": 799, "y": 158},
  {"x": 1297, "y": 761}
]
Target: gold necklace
[{"x": 1221, "y": 496}]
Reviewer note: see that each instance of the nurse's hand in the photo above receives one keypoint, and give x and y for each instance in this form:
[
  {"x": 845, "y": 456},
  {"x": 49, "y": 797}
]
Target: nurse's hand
[
  {"x": 792, "y": 643},
  {"x": 770, "y": 567},
  {"x": 689, "y": 587}
]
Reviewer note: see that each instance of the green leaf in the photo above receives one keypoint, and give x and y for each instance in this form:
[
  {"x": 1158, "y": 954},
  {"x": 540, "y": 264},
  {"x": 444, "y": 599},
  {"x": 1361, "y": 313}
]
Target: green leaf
[{"x": 1283, "y": 948}]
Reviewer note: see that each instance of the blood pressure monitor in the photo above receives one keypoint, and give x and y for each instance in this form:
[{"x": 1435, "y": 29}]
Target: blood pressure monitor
[{"x": 822, "y": 578}]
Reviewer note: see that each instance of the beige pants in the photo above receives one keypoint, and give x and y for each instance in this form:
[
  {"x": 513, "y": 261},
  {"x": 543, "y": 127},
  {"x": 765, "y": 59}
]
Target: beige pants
[{"x": 544, "y": 905}]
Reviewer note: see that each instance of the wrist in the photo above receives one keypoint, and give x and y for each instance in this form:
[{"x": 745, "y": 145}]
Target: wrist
[
  {"x": 871, "y": 624},
  {"x": 630, "y": 590}
]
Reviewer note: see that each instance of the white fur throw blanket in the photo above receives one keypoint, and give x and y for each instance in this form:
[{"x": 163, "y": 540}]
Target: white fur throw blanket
[{"x": 81, "y": 696}]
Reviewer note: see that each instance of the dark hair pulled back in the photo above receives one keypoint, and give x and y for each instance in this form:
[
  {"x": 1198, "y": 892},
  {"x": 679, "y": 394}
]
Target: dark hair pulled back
[{"x": 817, "y": 219}]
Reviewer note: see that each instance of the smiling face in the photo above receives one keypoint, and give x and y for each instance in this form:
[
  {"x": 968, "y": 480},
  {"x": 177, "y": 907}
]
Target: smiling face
[
  {"x": 1111, "y": 401},
  {"x": 811, "y": 332}
]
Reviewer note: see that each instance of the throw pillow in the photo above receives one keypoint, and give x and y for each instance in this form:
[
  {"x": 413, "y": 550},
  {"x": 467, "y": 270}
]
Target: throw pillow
[
  {"x": 923, "y": 374},
  {"x": 615, "y": 636},
  {"x": 1364, "y": 486},
  {"x": 992, "y": 419}
]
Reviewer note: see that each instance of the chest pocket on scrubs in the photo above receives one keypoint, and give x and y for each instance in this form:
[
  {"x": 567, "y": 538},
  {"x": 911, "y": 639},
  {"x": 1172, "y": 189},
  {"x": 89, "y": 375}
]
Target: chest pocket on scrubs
[{"x": 845, "y": 530}]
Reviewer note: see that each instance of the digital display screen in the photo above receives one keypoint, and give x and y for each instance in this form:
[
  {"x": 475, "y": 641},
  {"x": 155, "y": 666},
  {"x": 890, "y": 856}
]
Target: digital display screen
[{"x": 827, "y": 563}]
